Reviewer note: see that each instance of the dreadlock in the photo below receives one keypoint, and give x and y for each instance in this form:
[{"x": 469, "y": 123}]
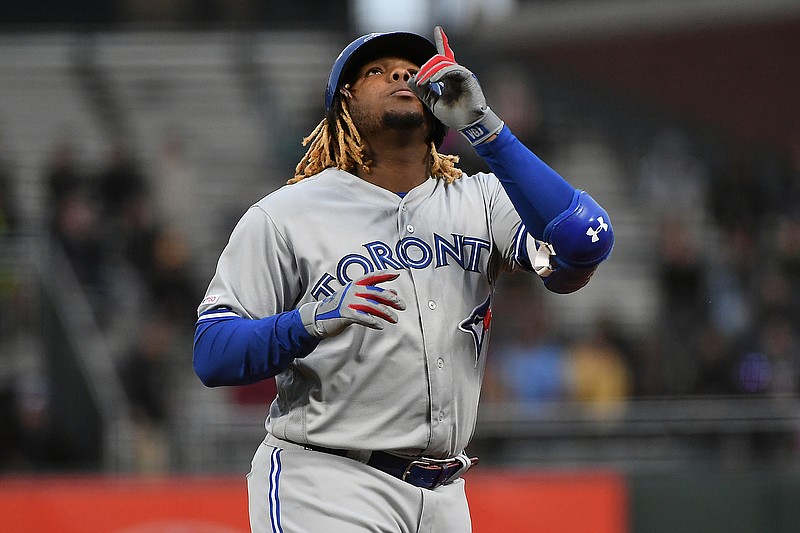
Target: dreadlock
[{"x": 336, "y": 143}]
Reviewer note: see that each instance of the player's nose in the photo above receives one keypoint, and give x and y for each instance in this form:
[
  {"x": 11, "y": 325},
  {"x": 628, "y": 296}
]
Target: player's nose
[{"x": 401, "y": 73}]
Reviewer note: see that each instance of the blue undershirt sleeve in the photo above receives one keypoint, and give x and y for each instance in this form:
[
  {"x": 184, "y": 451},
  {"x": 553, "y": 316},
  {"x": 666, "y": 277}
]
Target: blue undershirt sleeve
[
  {"x": 231, "y": 350},
  {"x": 538, "y": 193}
]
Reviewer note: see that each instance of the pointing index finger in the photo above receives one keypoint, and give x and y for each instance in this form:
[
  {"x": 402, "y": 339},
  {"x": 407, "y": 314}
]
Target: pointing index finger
[{"x": 442, "y": 44}]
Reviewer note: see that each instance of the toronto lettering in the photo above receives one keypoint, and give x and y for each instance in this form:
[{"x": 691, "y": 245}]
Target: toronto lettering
[{"x": 409, "y": 252}]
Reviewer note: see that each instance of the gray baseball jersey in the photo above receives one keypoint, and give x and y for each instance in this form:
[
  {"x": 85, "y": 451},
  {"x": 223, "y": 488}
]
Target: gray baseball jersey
[{"x": 412, "y": 388}]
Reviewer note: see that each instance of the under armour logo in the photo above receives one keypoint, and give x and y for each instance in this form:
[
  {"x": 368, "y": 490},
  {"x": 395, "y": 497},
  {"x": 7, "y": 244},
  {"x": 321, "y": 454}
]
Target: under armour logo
[{"x": 592, "y": 232}]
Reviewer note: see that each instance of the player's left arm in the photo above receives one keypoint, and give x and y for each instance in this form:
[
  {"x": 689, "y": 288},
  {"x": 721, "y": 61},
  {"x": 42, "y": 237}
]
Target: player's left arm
[{"x": 576, "y": 227}]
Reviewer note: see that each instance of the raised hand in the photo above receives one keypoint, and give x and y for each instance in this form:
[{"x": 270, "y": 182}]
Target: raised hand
[{"x": 453, "y": 94}]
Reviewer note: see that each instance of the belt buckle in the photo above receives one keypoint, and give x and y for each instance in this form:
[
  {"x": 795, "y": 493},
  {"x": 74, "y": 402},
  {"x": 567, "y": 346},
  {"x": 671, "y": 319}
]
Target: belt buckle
[
  {"x": 422, "y": 461},
  {"x": 460, "y": 460}
]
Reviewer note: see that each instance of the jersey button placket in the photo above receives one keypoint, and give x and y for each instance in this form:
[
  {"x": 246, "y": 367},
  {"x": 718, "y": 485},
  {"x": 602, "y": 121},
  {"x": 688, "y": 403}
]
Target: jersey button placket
[{"x": 439, "y": 413}]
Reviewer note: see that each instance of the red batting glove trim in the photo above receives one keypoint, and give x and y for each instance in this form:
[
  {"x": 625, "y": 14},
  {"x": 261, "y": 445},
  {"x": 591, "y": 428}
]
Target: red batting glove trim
[
  {"x": 377, "y": 299},
  {"x": 372, "y": 311},
  {"x": 448, "y": 52},
  {"x": 432, "y": 66},
  {"x": 378, "y": 278}
]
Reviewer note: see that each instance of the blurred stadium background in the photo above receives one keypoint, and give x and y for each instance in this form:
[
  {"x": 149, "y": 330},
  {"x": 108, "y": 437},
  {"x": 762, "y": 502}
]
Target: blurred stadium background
[{"x": 134, "y": 133}]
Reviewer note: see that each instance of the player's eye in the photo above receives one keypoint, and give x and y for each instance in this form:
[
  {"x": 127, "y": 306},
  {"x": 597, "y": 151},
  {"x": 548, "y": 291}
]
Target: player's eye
[{"x": 373, "y": 70}]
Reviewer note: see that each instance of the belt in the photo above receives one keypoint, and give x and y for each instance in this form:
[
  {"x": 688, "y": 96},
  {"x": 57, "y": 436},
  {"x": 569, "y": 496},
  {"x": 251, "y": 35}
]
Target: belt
[{"x": 423, "y": 472}]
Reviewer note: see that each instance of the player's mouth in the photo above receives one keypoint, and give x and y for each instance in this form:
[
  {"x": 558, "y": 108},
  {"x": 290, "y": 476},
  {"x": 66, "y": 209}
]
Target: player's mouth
[{"x": 403, "y": 92}]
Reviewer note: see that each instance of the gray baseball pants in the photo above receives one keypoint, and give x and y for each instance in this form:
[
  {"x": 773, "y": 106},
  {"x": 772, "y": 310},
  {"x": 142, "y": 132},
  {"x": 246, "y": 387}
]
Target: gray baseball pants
[{"x": 295, "y": 490}]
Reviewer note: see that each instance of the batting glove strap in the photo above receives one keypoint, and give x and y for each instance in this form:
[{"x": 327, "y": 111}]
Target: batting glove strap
[
  {"x": 490, "y": 124},
  {"x": 308, "y": 313}
]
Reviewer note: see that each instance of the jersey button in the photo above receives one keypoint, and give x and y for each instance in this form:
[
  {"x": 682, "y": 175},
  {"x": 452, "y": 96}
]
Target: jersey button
[
  {"x": 431, "y": 305},
  {"x": 440, "y": 363},
  {"x": 410, "y": 228},
  {"x": 441, "y": 416}
]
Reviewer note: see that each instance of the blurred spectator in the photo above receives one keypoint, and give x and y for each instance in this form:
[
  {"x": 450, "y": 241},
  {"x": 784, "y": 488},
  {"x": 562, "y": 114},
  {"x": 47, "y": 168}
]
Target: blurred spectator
[
  {"x": 515, "y": 98},
  {"x": 716, "y": 373},
  {"x": 600, "y": 376},
  {"x": 648, "y": 366},
  {"x": 42, "y": 446},
  {"x": 120, "y": 181},
  {"x": 671, "y": 177},
  {"x": 683, "y": 284},
  {"x": 681, "y": 273},
  {"x": 780, "y": 345},
  {"x": 10, "y": 432},
  {"x": 536, "y": 372},
  {"x": 788, "y": 253},
  {"x": 76, "y": 229},
  {"x": 790, "y": 195},
  {"x": 9, "y": 215},
  {"x": 14, "y": 312},
  {"x": 534, "y": 367},
  {"x": 146, "y": 379},
  {"x": 754, "y": 372},
  {"x": 738, "y": 195},
  {"x": 776, "y": 297},
  {"x": 136, "y": 229},
  {"x": 170, "y": 277},
  {"x": 175, "y": 188},
  {"x": 773, "y": 365},
  {"x": 733, "y": 281},
  {"x": 525, "y": 361},
  {"x": 63, "y": 179}
]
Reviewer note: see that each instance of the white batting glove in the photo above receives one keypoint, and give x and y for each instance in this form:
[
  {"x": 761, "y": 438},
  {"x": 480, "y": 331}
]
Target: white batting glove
[
  {"x": 453, "y": 94},
  {"x": 359, "y": 302}
]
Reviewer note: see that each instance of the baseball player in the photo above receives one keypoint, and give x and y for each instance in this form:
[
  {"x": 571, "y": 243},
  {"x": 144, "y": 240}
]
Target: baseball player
[{"x": 365, "y": 287}]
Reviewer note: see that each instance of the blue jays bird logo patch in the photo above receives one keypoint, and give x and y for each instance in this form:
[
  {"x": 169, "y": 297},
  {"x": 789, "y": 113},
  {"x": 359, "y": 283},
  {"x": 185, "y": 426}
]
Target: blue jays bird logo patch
[{"x": 478, "y": 324}]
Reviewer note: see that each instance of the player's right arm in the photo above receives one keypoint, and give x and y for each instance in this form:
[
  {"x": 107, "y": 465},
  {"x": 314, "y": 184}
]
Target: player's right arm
[{"x": 233, "y": 350}]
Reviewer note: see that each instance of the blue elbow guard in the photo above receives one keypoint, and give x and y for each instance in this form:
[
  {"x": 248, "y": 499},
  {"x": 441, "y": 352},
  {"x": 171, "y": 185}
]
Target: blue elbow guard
[{"x": 582, "y": 238}]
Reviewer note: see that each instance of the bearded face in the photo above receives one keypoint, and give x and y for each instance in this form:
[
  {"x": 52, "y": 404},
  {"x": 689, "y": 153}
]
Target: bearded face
[
  {"x": 399, "y": 120},
  {"x": 380, "y": 101},
  {"x": 368, "y": 120}
]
